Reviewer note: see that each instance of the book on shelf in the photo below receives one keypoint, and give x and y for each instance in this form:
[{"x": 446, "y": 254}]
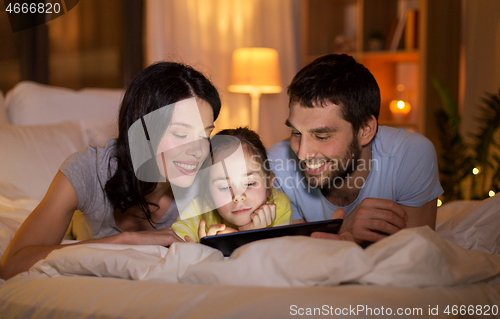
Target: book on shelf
[
  {"x": 411, "y": 30},
  {"x": 390, "y": 34},
  {"x": 407, "y": 24},
  {"x": 398, "y": 32}
]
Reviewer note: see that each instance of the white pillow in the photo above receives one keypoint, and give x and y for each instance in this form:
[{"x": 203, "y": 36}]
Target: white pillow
[
  {"x": 98, "y": 135},
  {"x": 471, "y": 224},
  {"x": 32, "y": 155},
  {"x": 10, "y": 191},
  {"x": 3, "y": 113},
  {"x": 30, "y": 103}
]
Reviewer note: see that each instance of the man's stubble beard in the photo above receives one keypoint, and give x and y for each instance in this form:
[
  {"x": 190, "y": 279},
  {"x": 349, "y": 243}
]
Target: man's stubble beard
[{"x": 337, "y": 175}]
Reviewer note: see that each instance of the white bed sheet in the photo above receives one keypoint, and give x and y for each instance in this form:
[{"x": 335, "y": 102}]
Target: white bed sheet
[
  {"x": 414, "y": 269},
  {"x": 92, "y": 297}
]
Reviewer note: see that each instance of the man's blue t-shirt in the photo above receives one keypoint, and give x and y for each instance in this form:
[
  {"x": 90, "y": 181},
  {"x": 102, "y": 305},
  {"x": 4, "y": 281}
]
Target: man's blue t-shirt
[{"x": 403, "y": 168}]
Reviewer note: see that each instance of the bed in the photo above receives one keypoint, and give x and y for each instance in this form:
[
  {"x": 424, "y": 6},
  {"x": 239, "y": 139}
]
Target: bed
[{"x": 453, "y": 272}]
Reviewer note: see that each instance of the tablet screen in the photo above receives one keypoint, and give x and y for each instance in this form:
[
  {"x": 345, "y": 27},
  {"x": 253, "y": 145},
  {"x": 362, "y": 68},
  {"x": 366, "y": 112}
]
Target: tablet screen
[{"x": 227, "y": 243}]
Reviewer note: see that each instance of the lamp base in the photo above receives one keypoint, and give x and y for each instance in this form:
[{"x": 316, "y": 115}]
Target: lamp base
[
  {"x": 400, "y": 117},
  {"x": 254, "y": 111}
]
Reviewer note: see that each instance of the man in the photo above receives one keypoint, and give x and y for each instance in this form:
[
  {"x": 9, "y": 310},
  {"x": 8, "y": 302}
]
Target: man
[{"x": 339, "y": 163}]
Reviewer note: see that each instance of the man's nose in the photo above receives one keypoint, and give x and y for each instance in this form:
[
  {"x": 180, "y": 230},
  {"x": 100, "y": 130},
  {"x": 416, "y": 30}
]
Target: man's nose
[{"x": 306, "y": 149}]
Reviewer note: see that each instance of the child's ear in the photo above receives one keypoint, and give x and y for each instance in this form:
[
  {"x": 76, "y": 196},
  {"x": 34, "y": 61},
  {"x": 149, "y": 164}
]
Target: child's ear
[{"x": 270, "y": 182}]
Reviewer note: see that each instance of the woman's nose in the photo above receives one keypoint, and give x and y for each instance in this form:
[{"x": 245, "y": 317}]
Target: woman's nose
[{"x": 197, "y": 147}]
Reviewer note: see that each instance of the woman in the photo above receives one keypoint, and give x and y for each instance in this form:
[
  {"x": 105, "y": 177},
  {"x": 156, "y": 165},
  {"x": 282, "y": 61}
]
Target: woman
[{"x": 168, "y": 110}]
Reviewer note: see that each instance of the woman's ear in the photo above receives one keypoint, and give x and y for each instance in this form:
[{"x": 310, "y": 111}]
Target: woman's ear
[{"x": 367, "y": 131}]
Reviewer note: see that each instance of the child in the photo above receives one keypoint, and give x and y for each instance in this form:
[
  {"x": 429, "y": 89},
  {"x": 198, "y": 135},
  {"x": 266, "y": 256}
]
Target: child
[{"x": 238, "y": 190}]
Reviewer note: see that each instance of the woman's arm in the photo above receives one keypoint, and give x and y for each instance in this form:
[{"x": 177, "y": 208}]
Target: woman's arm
[{"x": 44, "y": 229}]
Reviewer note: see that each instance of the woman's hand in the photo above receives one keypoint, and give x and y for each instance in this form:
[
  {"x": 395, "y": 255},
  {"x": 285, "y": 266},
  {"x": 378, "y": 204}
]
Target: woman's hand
[
  {"x": 264, "y": 216},
  {"x": 163, "y": 236},
  {"x": 216, "y": 229}
]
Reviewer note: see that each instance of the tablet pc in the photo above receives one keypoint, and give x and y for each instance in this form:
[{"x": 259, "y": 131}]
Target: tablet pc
[{"x": 227, "y": 243}]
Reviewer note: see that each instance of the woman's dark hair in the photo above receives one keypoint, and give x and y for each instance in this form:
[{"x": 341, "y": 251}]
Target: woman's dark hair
[
  {"x": 339, "y": 79},
  {"x": 158, "y": 85}
]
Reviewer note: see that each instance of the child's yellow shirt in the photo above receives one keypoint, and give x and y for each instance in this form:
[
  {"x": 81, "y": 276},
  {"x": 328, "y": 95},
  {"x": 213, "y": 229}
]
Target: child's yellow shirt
[{"x": 189, "y": 226}]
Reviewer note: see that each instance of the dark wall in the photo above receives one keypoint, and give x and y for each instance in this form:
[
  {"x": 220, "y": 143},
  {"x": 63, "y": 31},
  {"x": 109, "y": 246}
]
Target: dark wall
[{"x": 96, "y": 44}]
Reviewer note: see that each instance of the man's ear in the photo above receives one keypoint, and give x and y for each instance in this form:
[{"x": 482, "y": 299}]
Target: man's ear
[
  {"x": 367, "y": 131},
  {"x": 270, "y": 182}
]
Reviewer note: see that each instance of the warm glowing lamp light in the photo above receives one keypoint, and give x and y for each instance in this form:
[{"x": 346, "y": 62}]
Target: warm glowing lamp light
[
  {"x": 400, "y": 107},
  {"x": 255, "y": 71}
]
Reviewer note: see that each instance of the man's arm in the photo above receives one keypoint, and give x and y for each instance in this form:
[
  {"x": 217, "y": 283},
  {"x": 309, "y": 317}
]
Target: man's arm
[
  {"x": 423, "y": 215},
  {"x": 375, "y": 219},
  {"x": 417, "y": 184}
]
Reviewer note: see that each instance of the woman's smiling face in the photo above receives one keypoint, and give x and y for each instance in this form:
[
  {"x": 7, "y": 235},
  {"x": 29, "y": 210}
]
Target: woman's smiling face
[{"x": 185, "y": 144}]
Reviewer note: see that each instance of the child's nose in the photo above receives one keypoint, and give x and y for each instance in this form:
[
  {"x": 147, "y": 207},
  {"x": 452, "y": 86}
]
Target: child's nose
[{"x": 240, "y": 198}]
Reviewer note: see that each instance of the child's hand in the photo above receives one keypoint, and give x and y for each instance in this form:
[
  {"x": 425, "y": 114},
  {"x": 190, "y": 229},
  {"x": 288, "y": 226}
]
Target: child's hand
[
  {"x": 264, "y": 216},
  {"x": 216, "y": 229}
]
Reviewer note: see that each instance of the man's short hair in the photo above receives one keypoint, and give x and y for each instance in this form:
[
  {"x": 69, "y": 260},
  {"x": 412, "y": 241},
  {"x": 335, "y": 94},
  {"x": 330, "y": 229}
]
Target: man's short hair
[{"x": 339, "y": 79}]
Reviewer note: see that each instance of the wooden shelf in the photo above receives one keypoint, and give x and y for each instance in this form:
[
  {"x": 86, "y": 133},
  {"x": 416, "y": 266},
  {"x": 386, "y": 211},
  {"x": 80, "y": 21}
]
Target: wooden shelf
[
  {"x": 325, "y": 23},
  {"x": 401, "y": 124},
  {"x": 392, "y": 56}
]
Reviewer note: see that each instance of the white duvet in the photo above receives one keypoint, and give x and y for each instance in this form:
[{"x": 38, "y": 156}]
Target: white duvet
[
  {"x": 417, "y": 257},
  {"x": 412, "y": 258}
]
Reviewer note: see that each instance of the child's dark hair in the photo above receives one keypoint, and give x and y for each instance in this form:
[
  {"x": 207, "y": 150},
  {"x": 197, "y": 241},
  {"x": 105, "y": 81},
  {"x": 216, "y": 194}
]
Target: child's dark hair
[{"x": 251, "y": 143}]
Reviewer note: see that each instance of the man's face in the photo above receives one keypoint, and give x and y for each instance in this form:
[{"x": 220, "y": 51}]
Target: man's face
[{"x": 324, "y": 142}]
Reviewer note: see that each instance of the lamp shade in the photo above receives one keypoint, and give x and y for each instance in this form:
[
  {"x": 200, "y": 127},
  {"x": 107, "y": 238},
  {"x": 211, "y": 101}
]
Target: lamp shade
[{"x": 255, "y": 70}]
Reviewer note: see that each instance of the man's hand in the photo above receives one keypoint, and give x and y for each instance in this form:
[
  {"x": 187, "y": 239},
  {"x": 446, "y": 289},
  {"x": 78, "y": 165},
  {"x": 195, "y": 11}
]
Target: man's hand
[
  {"x": 338, "y": 214},
  {"x": 372, "y": 220},
  {"x": 262, "y": 217}
]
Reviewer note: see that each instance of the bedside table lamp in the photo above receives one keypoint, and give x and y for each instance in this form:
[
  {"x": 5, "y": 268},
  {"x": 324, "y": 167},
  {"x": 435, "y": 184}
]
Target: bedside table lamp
[
  {"x": 399, "y": 107},
  {"x": 255, "y": 71}
]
